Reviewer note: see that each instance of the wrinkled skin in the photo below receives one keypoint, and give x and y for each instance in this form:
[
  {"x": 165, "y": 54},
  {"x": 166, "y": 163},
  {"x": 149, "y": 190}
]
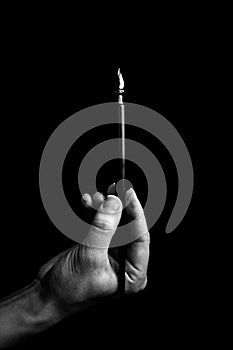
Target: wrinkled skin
[{"x": 86, "y": 274}]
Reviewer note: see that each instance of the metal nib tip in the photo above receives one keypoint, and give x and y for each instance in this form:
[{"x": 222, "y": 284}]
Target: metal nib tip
[{"x": 121, "y": 81}]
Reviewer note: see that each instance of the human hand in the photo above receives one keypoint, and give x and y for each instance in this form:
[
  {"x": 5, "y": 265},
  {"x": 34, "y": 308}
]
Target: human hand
[{"x": 86, "y": 273}]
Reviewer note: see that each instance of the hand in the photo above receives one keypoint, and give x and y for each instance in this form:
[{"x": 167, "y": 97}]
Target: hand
[{"x": 84, "y": 274}]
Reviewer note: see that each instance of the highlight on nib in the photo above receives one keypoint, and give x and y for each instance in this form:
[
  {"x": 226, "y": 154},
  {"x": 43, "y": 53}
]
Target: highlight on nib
[{"x": 120, "y": 82}]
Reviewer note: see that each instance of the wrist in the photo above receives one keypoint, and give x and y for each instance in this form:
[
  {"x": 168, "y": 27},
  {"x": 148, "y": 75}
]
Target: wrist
[{"x": 25, "y": 313}]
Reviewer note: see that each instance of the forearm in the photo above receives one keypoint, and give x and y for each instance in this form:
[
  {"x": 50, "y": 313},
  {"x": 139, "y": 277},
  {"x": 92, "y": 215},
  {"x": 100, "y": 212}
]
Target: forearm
[{"x": 26, "y": 313}]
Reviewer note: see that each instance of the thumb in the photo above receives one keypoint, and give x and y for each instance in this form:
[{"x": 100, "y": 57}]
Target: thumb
[{"x": 105, "y": 223}]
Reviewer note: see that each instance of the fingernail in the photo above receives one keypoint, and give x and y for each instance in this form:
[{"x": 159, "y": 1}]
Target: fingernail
[
  {"x": 129, "y": 193},
  {"x": 111, "y": 203}
]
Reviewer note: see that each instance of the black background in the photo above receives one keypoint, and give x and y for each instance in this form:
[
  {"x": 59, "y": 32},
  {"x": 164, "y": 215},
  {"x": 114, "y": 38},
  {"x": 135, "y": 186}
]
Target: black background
[{"x": 44, "y": 83}]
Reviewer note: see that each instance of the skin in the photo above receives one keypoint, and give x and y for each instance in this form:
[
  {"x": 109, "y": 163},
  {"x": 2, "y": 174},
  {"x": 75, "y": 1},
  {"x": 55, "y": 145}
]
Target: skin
[{"x": 83, "y": 275}]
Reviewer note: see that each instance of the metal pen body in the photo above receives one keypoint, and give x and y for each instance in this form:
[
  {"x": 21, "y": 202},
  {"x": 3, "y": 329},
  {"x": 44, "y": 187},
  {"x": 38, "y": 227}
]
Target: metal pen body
[
  {"x": 121, "y": 190},
  {"x": 122, "y": 139}
]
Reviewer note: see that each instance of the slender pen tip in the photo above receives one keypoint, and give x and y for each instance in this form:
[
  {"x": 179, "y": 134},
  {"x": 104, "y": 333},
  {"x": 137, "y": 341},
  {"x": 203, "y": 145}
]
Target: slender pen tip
[{"x": 121, "y": 80}]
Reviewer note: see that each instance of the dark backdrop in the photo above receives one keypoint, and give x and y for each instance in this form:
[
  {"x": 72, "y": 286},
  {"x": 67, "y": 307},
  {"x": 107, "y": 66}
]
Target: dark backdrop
[{"x": 42, "y": 87}]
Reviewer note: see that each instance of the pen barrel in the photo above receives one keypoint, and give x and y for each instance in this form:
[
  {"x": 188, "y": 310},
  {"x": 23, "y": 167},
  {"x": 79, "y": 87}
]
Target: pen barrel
[
  {"x": 121, "y": 188},
  {"x": 122, "y": 143}
]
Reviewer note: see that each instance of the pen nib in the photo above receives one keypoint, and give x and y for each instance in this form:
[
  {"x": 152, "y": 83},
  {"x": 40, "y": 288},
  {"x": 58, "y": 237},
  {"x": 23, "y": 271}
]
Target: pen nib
[{"x": 121, "y": 81}]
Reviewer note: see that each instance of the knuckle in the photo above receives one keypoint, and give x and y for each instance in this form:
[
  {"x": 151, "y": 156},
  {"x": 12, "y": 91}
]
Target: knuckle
[
  {"x": 94, "y": 258},
  {"x": 102, "y": 224},
  {"x": 137, "y": 284}
]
